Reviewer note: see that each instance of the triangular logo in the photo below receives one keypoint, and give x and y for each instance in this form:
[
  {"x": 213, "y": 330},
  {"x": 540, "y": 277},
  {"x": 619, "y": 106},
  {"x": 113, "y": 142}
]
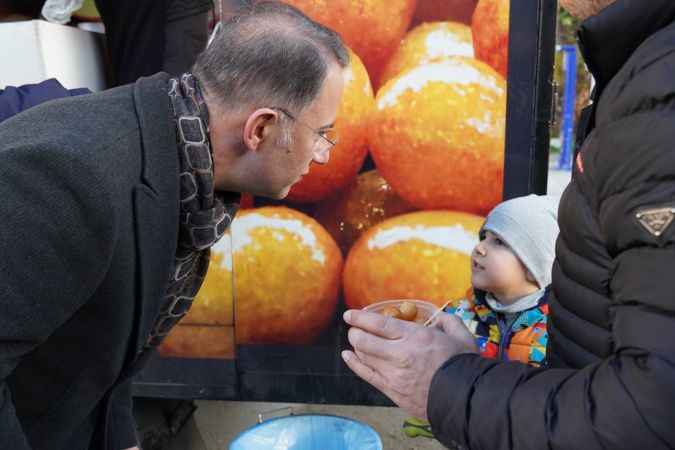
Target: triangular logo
[{"x": 656, "y": 220}]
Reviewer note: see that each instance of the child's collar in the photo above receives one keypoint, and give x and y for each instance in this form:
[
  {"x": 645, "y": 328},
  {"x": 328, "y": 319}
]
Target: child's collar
[{"x": 483, "y": 310}]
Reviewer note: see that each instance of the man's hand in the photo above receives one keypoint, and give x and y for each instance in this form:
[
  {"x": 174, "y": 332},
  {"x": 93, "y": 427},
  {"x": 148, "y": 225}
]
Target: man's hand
[{"x": 400, "y": 358}]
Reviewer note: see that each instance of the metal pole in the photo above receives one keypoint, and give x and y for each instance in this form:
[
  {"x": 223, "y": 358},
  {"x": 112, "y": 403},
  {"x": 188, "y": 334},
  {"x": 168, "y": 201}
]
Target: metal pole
[{"x": 569, "y": 103}]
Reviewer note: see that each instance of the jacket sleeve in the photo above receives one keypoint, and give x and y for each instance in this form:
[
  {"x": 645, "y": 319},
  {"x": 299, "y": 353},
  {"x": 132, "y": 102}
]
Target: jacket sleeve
[
  {"x": 13, "y": 100},
  {"x": 56, "y": 238},
  {"x": 626, "y": 400},
  {"x": 123, "y": 430}
]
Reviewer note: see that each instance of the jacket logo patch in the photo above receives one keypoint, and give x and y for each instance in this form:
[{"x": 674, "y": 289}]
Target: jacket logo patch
[{"x": 655, "y": 220}]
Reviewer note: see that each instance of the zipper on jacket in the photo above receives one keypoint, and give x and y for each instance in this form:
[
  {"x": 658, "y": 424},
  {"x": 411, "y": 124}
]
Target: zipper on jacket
[{"x": 505, "y": 334}]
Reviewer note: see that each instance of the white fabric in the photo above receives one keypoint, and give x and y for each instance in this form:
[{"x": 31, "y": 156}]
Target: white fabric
[
  {"x": 60, "y": 11},
  {"x": 527, "y": 302}
]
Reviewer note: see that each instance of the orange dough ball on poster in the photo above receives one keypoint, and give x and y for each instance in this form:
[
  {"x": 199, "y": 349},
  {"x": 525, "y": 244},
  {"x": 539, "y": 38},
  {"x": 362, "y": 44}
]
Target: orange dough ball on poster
[
  {"x": 372, "y": 28},
  {"x": 194, "y": 341},
  {"x": 286, "y": 276},
  {"x": 366, "y": 202},
  {"x": 437, "y": 135},
  {"x": 435, "y": 10},
  {"x": 213, "y": 304},
  {"x": 346, "y": 158},
  {"x": 490, "y": 27},
  {"x": 429, "y": 42},
  {"x": 422, "y": 255}
]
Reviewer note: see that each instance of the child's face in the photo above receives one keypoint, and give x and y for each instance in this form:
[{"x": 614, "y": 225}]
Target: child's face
[{"x": 496, "y": 269}]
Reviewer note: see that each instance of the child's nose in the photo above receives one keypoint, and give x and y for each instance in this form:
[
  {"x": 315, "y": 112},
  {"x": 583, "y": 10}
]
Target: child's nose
[{"x": 479, "y": 249}]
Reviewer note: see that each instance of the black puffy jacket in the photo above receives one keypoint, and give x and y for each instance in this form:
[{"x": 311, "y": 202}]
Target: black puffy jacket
[{"x": 610, "y": 383}]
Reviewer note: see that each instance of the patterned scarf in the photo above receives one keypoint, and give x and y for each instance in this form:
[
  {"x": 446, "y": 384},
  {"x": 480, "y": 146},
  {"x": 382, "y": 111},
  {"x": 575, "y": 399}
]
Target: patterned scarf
[{"x": 205, "y": 214}]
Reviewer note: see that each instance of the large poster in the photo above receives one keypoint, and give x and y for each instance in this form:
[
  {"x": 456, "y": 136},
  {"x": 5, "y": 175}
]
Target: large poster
[{"x": 394, "y": 214}]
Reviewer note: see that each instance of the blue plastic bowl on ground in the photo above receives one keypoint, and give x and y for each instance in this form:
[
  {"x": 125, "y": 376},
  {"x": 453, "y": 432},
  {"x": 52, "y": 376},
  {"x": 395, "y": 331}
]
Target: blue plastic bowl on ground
[{"x": 308, "y": 432}]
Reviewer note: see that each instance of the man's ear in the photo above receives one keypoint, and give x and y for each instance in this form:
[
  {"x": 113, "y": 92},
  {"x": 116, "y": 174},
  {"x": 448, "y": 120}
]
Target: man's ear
[{"x": 258, "y": 127}]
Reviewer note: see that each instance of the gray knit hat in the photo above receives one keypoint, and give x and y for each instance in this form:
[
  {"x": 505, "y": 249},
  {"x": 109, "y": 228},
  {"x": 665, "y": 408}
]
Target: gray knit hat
[{"x": 529, "y": 225}]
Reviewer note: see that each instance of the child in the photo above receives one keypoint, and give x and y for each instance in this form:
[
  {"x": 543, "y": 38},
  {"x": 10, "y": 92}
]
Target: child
[
  {"x": 507, "y": 309},
  {"x": 510, "y": 274}
]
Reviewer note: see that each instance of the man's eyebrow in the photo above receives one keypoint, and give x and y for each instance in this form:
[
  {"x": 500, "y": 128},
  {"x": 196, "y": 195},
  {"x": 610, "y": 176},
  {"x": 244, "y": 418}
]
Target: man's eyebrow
[{"x": 327, "y": 127}]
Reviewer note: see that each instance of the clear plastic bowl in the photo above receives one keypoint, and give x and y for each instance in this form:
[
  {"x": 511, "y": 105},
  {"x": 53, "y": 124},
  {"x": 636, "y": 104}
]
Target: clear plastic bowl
[{"x": 424, "y": 309}]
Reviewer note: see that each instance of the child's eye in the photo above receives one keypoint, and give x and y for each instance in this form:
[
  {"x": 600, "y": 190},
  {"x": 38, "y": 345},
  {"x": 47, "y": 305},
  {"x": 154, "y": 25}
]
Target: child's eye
[{"x": 499, "y": 241}]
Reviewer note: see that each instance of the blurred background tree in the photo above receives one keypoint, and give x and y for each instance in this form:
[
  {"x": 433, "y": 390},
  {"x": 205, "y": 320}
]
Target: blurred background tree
[
  {"x": 567, "y": 27},
  {"x": 567, "y": 35}
]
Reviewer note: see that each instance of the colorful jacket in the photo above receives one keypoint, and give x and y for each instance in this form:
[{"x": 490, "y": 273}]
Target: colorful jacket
[{"x": 514, "y": 337}]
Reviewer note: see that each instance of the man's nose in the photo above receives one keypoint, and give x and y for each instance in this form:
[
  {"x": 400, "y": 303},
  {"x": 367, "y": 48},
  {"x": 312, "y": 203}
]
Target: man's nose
[{"x": 321, "y": 156}]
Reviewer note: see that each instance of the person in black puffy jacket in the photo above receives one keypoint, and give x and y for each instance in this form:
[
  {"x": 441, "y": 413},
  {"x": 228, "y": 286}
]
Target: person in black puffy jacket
[
  {"x": 148, "y": 36},
  {"x": 610, "y": 378}
]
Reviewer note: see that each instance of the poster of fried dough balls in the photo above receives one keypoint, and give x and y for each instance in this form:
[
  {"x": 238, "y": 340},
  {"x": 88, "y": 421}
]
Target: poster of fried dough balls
[{"x": 432, "y": 135}]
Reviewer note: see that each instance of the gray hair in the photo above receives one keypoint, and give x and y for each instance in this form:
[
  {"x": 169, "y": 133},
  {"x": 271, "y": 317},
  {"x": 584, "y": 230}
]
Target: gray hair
[
  {"x": 285, "y": 139},
  {"x": 269, "y": 54}
]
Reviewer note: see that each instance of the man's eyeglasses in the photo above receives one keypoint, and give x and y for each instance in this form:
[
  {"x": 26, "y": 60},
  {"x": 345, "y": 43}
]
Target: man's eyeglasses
[{"x": 328, "y": 137}]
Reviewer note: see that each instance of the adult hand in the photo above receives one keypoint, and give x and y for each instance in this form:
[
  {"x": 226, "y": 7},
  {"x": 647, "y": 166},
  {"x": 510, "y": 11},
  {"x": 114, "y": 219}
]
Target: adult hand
[{"x": 400, "y": 358}]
